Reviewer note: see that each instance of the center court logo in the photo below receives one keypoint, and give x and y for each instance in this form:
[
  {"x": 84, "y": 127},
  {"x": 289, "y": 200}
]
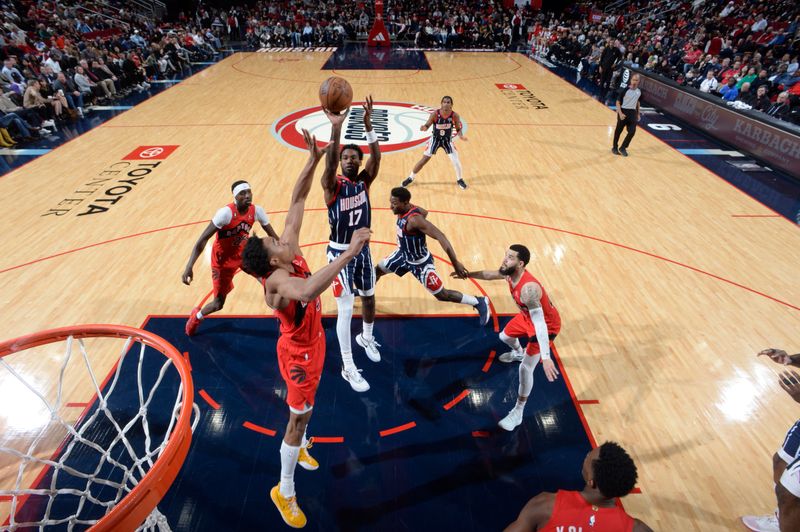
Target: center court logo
[{"x": 395, "y": 123}]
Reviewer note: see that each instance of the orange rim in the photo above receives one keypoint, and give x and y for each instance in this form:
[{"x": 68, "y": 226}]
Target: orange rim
[{"x": 133, "y": 509}]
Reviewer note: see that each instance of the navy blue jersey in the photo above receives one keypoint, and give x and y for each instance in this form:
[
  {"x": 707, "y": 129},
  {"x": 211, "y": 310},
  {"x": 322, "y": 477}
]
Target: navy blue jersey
[
  {"x": 349, "y": 210},
  {"x": 443, "y": 127},
  {"x": 413, "y": 245}
]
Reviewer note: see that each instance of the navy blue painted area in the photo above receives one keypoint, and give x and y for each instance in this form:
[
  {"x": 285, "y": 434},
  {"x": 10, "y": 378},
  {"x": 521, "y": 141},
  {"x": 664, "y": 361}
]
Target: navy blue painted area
[
  {"x": 359, "y": 56},
  {"x": 436, "y": 476},
  {"x": 774, "y": 188}
]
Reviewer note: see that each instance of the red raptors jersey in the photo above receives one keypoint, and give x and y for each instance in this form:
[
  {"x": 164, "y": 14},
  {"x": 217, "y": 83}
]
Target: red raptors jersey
[
  {"x": 301, "y": 323},
  {"x": 551, "y": 316},
  {"x": 227, "y": 251},
  {"x": 572, "y": 513}
]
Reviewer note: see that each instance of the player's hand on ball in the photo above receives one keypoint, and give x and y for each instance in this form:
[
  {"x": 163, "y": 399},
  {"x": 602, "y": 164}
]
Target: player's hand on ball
[
  {"x": 314, "y": 149},
  {"x": 336, "y": 118},
  {"x": 777, "y": 355},
  {"x": 550, "y": 370},
  {"x": 790, "y": 381}
]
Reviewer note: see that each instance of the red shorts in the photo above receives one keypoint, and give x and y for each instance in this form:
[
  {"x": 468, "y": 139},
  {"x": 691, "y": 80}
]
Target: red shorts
[
  {"x": 223, "y": 280},
  {"x": 301, "y": 369},
  {"x": 521, "y": 326}
]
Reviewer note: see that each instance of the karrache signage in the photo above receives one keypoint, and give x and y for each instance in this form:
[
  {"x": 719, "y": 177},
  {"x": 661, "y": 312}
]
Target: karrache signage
[
  {"x": 774, "y": 145},
  {"x": 520, "y": 97},
  {"x": 99, "y": 194}
]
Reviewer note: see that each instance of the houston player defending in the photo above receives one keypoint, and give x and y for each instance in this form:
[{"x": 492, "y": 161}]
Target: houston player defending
[
  {"x": 412, "y": 254},
  {"x": 609, "y": 473},
  {"x": 445, "y": 122},
  {"x": 232, "y": 224},
  {"x": 347, "y": 198},
  {"x": 538, "y": 320},
  {"x": 291, "y": 289}
]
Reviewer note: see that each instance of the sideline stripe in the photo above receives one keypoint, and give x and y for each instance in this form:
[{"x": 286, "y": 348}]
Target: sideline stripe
[
  {"x": 399, "y": 428},
  {"x": 211, "y": 402},
  {"x": 258, "y": 428},
  {"x": 458, "y": 398}
]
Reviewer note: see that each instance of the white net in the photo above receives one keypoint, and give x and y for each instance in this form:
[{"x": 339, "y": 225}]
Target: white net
[{"x": 101, "y": 455}]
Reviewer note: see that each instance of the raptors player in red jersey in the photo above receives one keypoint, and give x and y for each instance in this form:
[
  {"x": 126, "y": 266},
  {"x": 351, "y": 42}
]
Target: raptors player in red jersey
[
  {"x": 232, "y": 224},
  {"x": 609, "y": 473},
  {"x": 293, "y": 292},
  {"x": 538, "y": 321},
  {"x": 447, "y": 127}
]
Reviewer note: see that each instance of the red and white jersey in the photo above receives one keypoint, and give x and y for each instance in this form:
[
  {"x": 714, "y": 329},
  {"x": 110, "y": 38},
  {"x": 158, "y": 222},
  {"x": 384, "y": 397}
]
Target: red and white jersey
[
  {"x": 301, "y": 323},
  {"x": 233, "y": 228},
  {"x": 551, "y": 315},
  {"x": 572, "y": 513}
]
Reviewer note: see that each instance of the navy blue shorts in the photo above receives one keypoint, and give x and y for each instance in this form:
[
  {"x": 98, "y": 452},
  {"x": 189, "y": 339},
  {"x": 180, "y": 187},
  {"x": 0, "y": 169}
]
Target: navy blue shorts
[{"x": 358, "y": 277}]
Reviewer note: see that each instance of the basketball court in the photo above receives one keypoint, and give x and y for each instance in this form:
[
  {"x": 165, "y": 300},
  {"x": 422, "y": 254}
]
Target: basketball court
[{"x": 667, "y": 278}]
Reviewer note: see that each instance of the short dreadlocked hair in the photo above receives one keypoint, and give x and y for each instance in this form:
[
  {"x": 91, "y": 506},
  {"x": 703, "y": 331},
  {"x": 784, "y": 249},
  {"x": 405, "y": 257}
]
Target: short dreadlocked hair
[{"x": 614, "y": 471}]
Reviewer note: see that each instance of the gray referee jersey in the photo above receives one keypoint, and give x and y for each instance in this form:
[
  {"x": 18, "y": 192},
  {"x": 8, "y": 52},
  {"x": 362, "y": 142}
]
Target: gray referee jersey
[{"x": 629, "y": 97}]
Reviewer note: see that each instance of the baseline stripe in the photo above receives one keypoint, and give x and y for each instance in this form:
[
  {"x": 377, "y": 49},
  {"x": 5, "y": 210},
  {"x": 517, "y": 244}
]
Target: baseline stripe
[
  {"x": 258, "y": 428},
  {"x": 458, "y": 398},
  {"x": 328, "y": 439},
  {"x": 207, "y": 398},
  {"x": 489, "y": 361},
  {"x": 400, "y": 428}
]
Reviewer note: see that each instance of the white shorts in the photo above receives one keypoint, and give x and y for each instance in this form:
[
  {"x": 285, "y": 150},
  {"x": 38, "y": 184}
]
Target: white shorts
[{"x": 790, "y": 479}]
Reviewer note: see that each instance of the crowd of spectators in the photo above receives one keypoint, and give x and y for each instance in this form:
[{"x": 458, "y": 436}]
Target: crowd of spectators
[
  {"x": 743, "y": 52},
  {"x": 448, "y": 24},
  {"x": 61, "y": 58}
]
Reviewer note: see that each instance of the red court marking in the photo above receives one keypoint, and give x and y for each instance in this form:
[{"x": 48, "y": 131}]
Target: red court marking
[
  {"x": 574, "y": 398},
  {"x": 77, "y": 405},
  {"x": 211, "y": 402},
  {"x": 186, "y": 358},
  {"x": 666, "y": 142},
  {"x": 348, "y": 73},
  {"x": 756, "y": 216},
  {"x": 480, "y": 434},
  {"x": 636, "y": 490},
  {"x": 100, "y": 244},
  {"x": 458, "y": 398},
  {"x": 328, "y": 439},
  {"x": 488, "y": 361},
  {"x": 258, "y": 428},
  {"x": 588, "y": 402},
  {"x": 188, "y": 125},
  {"x": 400, "y": 428},
  {"x": 533, "y": 124}
]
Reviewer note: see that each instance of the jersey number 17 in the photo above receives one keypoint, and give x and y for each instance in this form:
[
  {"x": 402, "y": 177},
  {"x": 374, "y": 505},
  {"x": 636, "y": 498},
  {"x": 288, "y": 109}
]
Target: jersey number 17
[{"x": 355, "y": 217}]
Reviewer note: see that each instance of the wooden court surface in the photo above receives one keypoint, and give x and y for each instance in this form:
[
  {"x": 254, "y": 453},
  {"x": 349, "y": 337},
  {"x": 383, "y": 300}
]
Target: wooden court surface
[{"x": 665, "y": 293}]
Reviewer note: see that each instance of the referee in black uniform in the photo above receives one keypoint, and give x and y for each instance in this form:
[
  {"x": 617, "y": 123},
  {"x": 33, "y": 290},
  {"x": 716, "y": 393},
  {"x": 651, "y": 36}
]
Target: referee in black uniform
[{"x": 627, "y": 114}]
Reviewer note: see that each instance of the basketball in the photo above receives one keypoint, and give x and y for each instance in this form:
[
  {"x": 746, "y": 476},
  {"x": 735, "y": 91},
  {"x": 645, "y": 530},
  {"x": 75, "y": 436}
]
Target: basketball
[{"x": 335, "y": 94}]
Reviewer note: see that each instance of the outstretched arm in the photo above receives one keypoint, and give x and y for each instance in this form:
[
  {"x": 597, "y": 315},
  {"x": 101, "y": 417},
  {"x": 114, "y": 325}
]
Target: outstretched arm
[
  {"x": 294, "y": 218},
  {"x": 419, "y": 223},
  {"x": 207, "y": 233},
  {"x": 305, "y": 290},
  {"x": 374, "y": 161},
  {"x": 531, "y": 295},
  {"x": 269, "y": 230},
  {"x": 485, "y": 275},
  {"x": 332, "y": 159},
  {"x": 780, "y": 356}
]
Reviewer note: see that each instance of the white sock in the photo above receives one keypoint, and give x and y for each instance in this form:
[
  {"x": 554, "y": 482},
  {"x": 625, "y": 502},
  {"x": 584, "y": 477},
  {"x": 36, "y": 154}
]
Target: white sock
[
  {"x": 526, "y": 375},
  {"x": 343, "y": 319},
  {"x": 367, "y": 332},
  {"x": 513, "y": 343},
  {"x": 469, "y": 300},
  {"x": 456, "y": 163},
  {"x": 520, "y": 406},
  {"x": 304, "y": 442},
  {"x": 412, "y": 175},
  {"x": 199, "y": 314},
  {"x": 289, "y": 454}
]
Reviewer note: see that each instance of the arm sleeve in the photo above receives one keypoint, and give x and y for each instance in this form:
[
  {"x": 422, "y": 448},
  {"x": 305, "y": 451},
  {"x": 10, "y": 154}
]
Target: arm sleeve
[
  {"x": 222, "y": 217},
  {"x": 542, "y": 336},
  {"x": 261, "y": 215}
]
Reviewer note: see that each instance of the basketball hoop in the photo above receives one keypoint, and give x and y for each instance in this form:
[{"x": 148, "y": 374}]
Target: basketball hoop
[{"x": 138, "y": 452}]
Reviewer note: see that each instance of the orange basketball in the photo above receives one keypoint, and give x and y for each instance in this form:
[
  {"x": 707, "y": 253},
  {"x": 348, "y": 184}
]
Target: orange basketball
[{"x": 335, "y": 94}]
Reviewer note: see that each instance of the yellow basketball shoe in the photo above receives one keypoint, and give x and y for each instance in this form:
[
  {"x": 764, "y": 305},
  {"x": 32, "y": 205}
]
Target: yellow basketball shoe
[
  {"x": 305, "y": 460},
  {"x": 288, "y": 508}
]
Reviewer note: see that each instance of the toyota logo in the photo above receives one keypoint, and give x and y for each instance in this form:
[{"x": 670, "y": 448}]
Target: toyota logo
[{"x": 149, "y": 153}]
